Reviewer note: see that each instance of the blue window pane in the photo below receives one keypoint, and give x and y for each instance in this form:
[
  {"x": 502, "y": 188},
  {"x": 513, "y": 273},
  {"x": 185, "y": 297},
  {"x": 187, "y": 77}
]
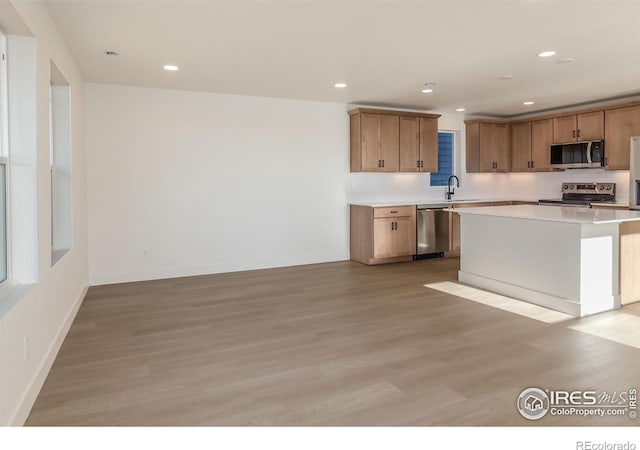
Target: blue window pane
[{"x": 445, "y": 159}]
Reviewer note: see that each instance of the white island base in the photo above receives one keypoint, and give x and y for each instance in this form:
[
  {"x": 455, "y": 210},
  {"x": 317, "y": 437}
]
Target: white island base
[{"x": 562, "y": 258}]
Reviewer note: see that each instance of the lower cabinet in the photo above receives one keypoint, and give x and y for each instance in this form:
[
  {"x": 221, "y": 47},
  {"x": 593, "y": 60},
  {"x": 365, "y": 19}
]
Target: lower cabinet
[
  {"x": 380, "y": 235},
  {"x": 384, "y": 235}
]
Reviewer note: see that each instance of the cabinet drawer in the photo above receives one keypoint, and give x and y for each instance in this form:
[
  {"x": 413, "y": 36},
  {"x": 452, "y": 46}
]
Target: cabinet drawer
[{"x": 397, "y": 211}]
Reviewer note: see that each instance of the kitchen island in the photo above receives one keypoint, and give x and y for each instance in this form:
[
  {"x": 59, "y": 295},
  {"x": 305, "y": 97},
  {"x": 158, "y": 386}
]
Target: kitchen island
[{"x": 579, "y": 261}]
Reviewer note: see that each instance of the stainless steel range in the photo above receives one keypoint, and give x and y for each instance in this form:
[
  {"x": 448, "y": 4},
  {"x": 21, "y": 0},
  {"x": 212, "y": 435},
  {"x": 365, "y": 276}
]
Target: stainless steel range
[{"x": 583, "y": 194}]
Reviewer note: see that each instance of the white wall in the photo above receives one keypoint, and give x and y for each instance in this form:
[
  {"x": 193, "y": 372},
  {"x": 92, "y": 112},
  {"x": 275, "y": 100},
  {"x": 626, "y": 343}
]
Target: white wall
[
  {"x": 184, "y": 183},
  {"x": 47, "y": 309}
]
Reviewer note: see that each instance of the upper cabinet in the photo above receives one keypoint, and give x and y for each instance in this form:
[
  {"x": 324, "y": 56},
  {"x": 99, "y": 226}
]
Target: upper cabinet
[
  {"x": 619, "y": 125},
  {"x": 527, "y": 142},
  {"x": 541, "y": 140},
  {"x": 488, "y": 146},
  {"x": 409, "y": 144},
  {"x": 374, "y": 143},
  {"x": 393, "y": 141},
  {"x": 578, "y": 127},
  {"x": 530, "y": 142},
  {"x": 428, "y": 144},
  {"x": 521, "y": 147}
]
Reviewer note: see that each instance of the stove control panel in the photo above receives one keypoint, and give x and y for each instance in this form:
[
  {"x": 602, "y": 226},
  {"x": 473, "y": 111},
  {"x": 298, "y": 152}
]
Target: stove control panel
[{"x": 589, "y": 188}]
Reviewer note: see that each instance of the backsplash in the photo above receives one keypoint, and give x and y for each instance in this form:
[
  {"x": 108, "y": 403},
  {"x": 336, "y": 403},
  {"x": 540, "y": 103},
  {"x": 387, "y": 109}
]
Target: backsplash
[{"x": 392, "y": 187}]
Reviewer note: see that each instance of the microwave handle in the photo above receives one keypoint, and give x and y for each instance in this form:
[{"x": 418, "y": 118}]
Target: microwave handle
[{"x": 589, "y": 152}]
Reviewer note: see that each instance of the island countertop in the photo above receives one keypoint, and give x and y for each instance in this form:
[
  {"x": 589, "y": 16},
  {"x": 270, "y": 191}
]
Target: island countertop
[
  {"x": 432, "y": 202},
  {"x": 555, "y": 213}
]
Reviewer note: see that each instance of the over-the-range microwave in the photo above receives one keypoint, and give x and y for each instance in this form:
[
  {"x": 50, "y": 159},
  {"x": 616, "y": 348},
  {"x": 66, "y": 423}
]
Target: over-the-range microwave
[{"x": 577, "y": 155}]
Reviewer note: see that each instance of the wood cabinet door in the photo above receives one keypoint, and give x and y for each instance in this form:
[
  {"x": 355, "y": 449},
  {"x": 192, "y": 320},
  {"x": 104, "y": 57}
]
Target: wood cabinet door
[
  {"x": 389, "y": 142},
  {"x": 487, "y": 147},
  {"x": 502, "y": 149},
  {"x": 521, "y": 147},
  {"x": 619, "y": 125},
  {"x": 541, "y": 140},
  {"x": 404, "y": 236},
  {"x": 409, "y": 144},
  {"x": 369, "y": 131},
  {"x": 383, "y": 234},
  {"x": 472, "y": 150},
  {"x": 591, "y": 126},
  {"x": 428, "y": 145},
  {"x": 564, "y": 129}
]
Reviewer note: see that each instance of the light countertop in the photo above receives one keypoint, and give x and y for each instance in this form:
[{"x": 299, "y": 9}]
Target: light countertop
[
  {"x": 567, "y": 214},
  {"x": 612, "y": 205},
  {"x": 443, "y": 202}
]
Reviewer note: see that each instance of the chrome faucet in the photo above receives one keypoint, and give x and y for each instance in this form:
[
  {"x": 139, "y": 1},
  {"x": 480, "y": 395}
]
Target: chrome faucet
[{"x": 451, "y": 190}]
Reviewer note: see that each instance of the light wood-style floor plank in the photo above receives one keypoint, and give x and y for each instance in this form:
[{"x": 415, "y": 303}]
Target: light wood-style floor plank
[{"x": 327, "y": 344}]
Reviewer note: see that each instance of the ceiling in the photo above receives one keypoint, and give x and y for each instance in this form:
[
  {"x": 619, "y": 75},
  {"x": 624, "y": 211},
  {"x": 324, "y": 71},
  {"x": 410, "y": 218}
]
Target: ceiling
[{"x": 384, "y": 50}]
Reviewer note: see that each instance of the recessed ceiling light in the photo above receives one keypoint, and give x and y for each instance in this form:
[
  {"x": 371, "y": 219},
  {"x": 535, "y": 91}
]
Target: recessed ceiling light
[
  {"x": 111, "y": 53},
  {"x": 564, "y": 61},
  {"x": 340, "y": 85},
  {"x": 170, "y": 67},
  {"x": 546, "y": 54},
  {"x": 460, "y": 109},
  {"x": 506, "y": 76},
  {"x": 427, "y": 91},
  {"x": 429, "y": 83},
  {"x": 528, "y": 103}
]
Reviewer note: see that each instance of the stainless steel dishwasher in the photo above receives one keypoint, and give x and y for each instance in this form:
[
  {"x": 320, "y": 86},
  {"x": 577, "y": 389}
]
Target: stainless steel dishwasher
[{"x": 432, "y": 230}]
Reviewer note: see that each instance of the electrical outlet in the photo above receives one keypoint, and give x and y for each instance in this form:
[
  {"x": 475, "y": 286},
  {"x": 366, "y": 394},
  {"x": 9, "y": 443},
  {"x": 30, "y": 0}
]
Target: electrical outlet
[{"x": 27, "y": 347}]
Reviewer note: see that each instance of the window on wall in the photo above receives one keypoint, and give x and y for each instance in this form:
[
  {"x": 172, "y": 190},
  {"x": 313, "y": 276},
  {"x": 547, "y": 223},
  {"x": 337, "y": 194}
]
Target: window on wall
[
  {"x": 445, "y": 159},
  {"x": 4, "y": 161},
  {"x": 60, "y": 165}
]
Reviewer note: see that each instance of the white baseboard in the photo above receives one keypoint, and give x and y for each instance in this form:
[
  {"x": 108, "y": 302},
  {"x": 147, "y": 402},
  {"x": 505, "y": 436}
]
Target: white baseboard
[
  {"x": 20, "y": 415},
  {"x": 520, "y": 293}
]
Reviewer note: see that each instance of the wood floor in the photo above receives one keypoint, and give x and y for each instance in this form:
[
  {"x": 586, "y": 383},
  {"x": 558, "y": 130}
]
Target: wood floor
[{"x": 328, "y": 344}]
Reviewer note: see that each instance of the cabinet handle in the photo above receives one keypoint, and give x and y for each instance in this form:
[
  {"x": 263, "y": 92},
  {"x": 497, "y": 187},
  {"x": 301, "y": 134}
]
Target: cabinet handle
[
  {"x": 383, "y": 163},
  {"x": 393, "y": 212},
  {"x": 574, "y": 133},
  {"x": 418, "y": 164},
  {"x": 606, "y": 161},
  {"x": 533, "y": 165},
  {"x": 578, "y": 133},
  {"x": 421, "y": 164},
  {"x": 528, "y": 164}
]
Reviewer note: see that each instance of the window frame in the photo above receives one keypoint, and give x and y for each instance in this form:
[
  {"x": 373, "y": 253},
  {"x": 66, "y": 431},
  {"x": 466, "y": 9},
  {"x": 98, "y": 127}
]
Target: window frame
[
  {"x": 60, "y": 164},
  {"x": 6, "y": 162}
]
